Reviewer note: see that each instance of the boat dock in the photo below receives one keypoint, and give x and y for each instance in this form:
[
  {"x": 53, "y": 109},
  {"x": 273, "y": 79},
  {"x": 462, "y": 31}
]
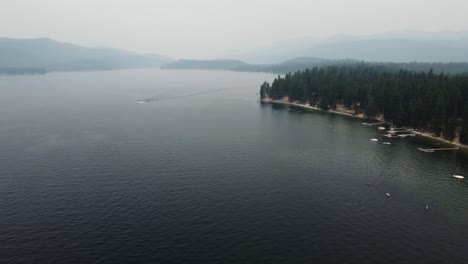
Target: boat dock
[{"x": 436, "y": 149}]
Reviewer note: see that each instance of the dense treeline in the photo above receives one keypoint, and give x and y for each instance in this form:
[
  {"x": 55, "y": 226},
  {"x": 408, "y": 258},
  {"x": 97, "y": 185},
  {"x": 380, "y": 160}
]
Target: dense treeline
[
  {"x": 436, "y": 67},
  {"x": 424, "y": 100},
  {"x": 300, "y": 64}
]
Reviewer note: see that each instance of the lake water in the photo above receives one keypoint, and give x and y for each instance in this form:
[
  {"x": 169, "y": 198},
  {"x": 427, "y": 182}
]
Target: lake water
[{"x": 203, "y": 173}]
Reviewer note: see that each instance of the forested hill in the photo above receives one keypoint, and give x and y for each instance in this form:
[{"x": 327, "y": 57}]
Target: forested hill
[
  {"x": 295, "y": 64},
  {"x": 425, "y": 100}
]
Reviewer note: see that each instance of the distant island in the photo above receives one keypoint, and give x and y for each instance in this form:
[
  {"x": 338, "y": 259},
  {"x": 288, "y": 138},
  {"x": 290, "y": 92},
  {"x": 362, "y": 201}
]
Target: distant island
[
  {"x": 32, "y": 56},
  {"x": 295, "y": 64},
  {"x": 204, "y": 65},
  {"x": 435, "y": 104},
  {"x": 22, "y": 71}
]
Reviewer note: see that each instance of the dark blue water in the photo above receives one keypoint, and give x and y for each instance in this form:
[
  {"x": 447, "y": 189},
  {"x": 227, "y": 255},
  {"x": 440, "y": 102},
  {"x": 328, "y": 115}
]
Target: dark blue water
[{"x": 202, "y": 173}]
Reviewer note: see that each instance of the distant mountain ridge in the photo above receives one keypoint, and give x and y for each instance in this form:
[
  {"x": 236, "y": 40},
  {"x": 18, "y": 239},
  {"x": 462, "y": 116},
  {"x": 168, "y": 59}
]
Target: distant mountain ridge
[
  {"x": 445, "y": 51},
  {"x": 397, "y": 46},
  {"x": 52, "y": 55}
]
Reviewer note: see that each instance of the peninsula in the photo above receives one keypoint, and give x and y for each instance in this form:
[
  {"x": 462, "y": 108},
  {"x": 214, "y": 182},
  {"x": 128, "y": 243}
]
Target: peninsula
[{"x": 434, "y": 105}]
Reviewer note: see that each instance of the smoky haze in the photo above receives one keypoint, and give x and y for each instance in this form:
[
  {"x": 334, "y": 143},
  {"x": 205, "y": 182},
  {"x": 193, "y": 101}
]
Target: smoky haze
[{"x": 215, "y": 28}]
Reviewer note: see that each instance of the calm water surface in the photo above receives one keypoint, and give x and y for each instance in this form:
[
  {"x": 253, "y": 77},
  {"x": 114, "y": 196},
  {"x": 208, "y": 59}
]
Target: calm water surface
[{"x": 202, "y": 173}]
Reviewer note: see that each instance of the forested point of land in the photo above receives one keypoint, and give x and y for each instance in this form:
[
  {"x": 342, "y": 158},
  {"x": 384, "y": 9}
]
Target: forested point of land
[{"x": 423, "y": 100}]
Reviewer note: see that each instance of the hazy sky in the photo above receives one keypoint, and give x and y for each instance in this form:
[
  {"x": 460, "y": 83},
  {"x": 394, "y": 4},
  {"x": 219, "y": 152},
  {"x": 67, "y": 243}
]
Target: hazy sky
[{"x": 197, "y": 28}]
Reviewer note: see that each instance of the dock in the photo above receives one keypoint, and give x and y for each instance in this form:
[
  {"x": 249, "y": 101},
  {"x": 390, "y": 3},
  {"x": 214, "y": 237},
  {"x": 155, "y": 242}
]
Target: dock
[{"x": 436, "y": 149}]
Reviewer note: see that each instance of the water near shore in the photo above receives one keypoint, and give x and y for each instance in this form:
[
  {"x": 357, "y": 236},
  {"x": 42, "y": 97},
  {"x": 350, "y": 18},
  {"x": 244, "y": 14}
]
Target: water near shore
[
  {"x": 347, "y": 112},
  {"x": 203, "y": 173}
]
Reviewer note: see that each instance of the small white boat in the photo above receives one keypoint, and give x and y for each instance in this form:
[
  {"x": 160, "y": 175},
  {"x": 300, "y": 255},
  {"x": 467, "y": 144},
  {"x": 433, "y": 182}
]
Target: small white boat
[
  {"x": 381, "y": 128},
  {"x": 458, "y": 176},
  {"x": 388, "y": 195},
  {"x": 386, "y": 143},
  {"x": 374, "y": 140},
  {"x": 427, "y": 207}
]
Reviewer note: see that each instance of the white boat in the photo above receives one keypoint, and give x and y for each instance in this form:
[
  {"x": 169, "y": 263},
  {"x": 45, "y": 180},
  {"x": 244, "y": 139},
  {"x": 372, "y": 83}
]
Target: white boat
[
  {"x": 374, "y": 140},
  {"x": 427, "y": 207},
  {"x": 388, "y": 195},
  {"x": 458, "y": 176},
  {"x": 381, "y": 128},
  {"x": 386, "y": 143}
]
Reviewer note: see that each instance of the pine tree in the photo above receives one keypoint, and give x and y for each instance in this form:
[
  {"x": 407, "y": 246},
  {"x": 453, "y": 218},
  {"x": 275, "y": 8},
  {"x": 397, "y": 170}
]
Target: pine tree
[
  {"x": 371, "y": 108},
  {"x": 264, "y": 90},
  {"x": 464, "y": 131},
  {"x": 464, "y": 134},
  {"x": 438, "y": 116},
  {"x": 323, "y": 104},
  {"x": 450, "y": 130}
]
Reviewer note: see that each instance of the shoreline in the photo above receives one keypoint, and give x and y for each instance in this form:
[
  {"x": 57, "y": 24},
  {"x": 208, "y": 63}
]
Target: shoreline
[
  {"x": 361, "y": 117},
  {"x": 308, "y": 107}
]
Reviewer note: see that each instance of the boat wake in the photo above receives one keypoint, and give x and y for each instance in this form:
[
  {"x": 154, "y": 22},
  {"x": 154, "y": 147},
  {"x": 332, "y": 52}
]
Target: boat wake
[{"x": 163, "y": 98}]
